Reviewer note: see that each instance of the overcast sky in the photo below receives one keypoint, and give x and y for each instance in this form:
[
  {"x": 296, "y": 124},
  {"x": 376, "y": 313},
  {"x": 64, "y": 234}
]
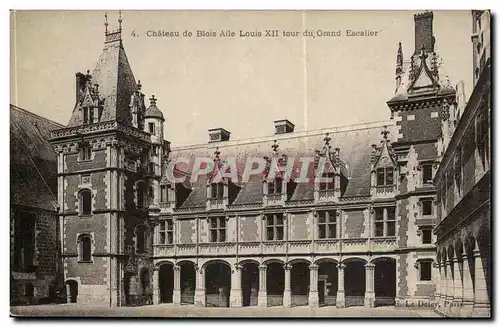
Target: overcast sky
[{"x": 240, "y": 84}]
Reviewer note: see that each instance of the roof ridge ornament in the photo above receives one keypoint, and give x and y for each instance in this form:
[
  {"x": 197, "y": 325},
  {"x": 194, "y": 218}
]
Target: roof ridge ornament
[{"x": 152, "y": 101}]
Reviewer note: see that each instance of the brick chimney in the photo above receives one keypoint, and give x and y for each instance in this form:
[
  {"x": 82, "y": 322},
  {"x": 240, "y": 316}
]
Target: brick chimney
[
  {"x": 423, "y": 32},
  {"x": 283, "y": 126},
  {"x": 218, "y": 135}
]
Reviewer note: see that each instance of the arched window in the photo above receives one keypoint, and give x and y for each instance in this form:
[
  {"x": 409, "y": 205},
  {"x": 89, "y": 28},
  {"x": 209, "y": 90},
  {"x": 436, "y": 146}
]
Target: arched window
[
  {"x": 141, "y": 239},
  {"x": 217, "y": 191},
  {"x": 85, "y": 202},
  {"x": 84, "y": 248}
]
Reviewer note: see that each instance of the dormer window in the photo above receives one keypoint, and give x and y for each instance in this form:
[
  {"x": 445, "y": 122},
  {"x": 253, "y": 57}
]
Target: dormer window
[
  {"x": 163, "y": 193},
  {"x": 217, "y": 191},
  {"x": 327, "y": 185},
  {"x": 385, "y": 176},
  {"x": 275, "y": 186},
  {"x": 88, "y": 115}
]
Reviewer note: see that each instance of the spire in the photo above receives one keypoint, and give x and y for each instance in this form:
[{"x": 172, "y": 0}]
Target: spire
[
  {"x": 120, "y": 20},
  {"x": 115, "y": 78},
  {"x": 399, "y": 66}
]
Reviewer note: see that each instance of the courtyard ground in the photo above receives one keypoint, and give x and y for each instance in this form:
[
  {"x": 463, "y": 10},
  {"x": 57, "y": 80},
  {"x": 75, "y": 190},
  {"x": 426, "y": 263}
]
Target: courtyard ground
[{"x": 168, "y": 310}]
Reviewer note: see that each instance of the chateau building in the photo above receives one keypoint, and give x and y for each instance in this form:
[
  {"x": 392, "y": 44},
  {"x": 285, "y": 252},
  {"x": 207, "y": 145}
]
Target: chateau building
[
  {"x": 463, "y": 181},
  {"x": 34, "y": 249},
  {"x": 341, "y": 216}
]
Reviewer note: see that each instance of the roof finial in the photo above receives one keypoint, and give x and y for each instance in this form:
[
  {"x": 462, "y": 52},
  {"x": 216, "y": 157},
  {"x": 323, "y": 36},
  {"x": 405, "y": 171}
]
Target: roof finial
[
  {"x": 217, "y": 153},
  {"x": 106, "y": 22},
  {"x": 152, "y": 100},
  {"x": 139, "y": 85},
  {"x": 275, "y": 146},
  {"x": 385, "y": 132},
  {"x": 120, "y": 20},
  {"x": 327, "y": 140}
]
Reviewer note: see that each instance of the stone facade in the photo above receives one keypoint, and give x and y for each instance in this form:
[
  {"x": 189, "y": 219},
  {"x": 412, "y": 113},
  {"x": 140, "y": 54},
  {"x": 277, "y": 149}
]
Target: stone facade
[{"x": 464, "y": 182}]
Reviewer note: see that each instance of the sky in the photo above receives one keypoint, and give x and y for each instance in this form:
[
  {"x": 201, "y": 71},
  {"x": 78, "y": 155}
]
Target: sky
[{"x": 240, "y": 84}]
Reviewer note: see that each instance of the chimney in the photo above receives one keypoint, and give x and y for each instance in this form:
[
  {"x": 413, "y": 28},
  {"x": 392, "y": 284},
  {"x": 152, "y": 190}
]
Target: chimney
[
  {"x": 81, "y": 81},
  {"x": 218, "y": 135},
  {"x": 283, "y": 126},
  {"x": 423, "y": 32}
]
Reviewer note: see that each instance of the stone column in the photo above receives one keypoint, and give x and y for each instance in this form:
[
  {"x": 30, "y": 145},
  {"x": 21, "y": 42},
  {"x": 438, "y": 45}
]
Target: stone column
[
  {"x": 340, "y": 290},
  {"x": 287, "y": 293},
  {"x": 262, "y": 296},
  {"x": 457, "y": 288},
  {"x": 468, "y": 294},
  {"x": 177, "y": 286},
  {"x": 313, "y": 286},
  {"x": 449, "y": 286},
  {"x": 481, "y": 306},
  {"x": 442, "y": 285},
  {"x": 199, "y": 293},
  {"x": 369, "y": 289},
  {"x": 156, "y": 285},
  {"x": 437, "y": 294},
  {"x": 235, "y": 294}
]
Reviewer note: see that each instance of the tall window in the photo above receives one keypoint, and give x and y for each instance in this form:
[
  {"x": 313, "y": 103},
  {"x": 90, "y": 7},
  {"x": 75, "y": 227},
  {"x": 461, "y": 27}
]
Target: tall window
[
  {"x": 141, "y": 239},
  {"x": 217, "y": 229},
  {"x": 151, "y": 127},
  {"x": 85, "y": 152},
  {"x": 163, "y": 193},
  {"x": 330, "y": 185},
  {"x": 458, "y": 169},
  {"x": 327, "y": 224},
  {"x": 24, "y": 244},
  {"x": 385, "y": 176},
  {"x": 482, "y": 138},
  {"x": 425, "y": 270},
  {"x": 274, "y": 227},
  {"x": 427, "y": 205},
  {"x": 275, "y": 186},
  {"x": 85, "y": 202},
  {"x": 385, "y": 221},
  {"x": 141, "y": 195},
  {"x": 167, "y": 231},
  {"x": 427, "y": 174},
  {"x": 154, "y": 150},
  {"x": 84, "y": 248},
  {"x": 217, "y": 191}
]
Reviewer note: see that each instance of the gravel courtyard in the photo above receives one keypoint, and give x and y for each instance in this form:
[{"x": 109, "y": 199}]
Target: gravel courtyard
[{"x": 65, "y": 310}]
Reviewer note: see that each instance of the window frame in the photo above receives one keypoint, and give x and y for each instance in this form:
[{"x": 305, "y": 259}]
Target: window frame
[
  {"x": 82, "y": 203},
  {"x": 423, "y": 203},
  {"x": 166, "y": 232},
  {"x": 163, "y": 193},
  {"x": 426, "y": 230},
  {"x": 275, "y": 187},
  {"x": 141, "y": 247},
  {"x": 220, "y": 229},
  {"x": 152, "y": 128},
  {"x": 327, "y": 186},
  {"x": 388, "y": 222},
  {"x": 84, "y": 253},
  {"x": 277, "y": 229},
  {"x": 428, "y": 264},
  {"x": 217, "y": 191},
  {"x": 428, "y": 167},
  {"x": 86, "y": 152},
  {"x": 384, "y": 181},
  {"x": 328, "y": 224}
]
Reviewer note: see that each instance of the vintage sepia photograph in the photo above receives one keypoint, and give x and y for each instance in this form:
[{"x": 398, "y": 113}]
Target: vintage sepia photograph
[{"x": 239, "y": 164}]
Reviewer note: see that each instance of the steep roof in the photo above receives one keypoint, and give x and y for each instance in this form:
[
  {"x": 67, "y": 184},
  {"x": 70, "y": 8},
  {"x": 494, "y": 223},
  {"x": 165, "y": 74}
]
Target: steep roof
[
  {"x": 116, "y": 82},
  {"x": 355, "y": 150},
  {"x": 33, "y": 162}
]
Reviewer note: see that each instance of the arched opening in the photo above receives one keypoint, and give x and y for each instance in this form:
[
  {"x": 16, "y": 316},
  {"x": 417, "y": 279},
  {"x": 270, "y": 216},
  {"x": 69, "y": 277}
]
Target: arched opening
[
  {"x": 188, "y": 282},
  {"x": 84, "y": 248},
  {"x": 275, "y": 283},
  {"x": 354, "y": 282},
  {"x": 71, "y": 291},
  {"x": 85, "y": 202},
  {"x": 166, "y": 283},
  {"x": 128, "y": 279},
  {"x": 250, "y": 283},
  {"x": 217, "y": 284},
  {"x": 385, "y": 281},
  {"x": 146, "y": 295},
  {"x": 299, "y": 283},
  {"x": 327, "y": 283}
]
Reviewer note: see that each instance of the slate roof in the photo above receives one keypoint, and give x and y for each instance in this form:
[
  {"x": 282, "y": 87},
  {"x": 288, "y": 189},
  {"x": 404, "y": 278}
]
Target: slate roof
[
  {"x": 355, "y": 148},
  {"x": 33, "y": 162},
  {"x": 116, "y": 84}
]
